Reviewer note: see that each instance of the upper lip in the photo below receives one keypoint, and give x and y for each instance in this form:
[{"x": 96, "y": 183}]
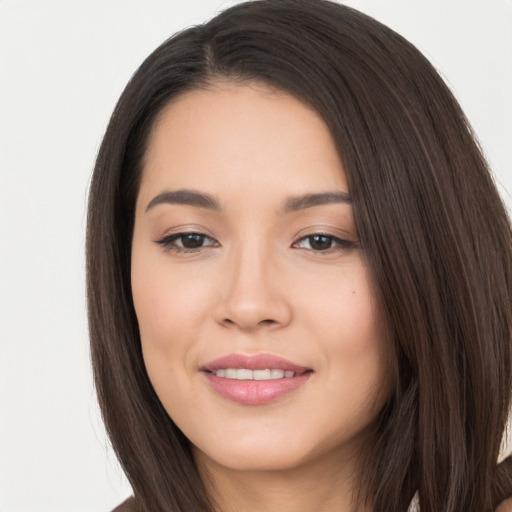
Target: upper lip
[{"x": 253, "y": 362}]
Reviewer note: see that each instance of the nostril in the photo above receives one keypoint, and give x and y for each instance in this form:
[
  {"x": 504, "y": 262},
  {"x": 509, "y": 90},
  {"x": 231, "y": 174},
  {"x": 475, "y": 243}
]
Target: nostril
[
  {"x": 228, "y": 322},
  {"x": 245, "y": 314}
]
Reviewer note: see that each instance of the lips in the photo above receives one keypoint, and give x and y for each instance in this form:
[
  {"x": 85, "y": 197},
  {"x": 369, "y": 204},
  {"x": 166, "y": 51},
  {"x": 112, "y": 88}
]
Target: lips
[
  {"x": 254, "y": 380},
  {"x": 246, "y": 374},
  {"x": 256, "y": 362}
]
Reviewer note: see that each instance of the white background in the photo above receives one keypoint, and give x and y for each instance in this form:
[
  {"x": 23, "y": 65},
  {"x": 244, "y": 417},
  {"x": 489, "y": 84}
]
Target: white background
[{"x": 62, "y": 67}]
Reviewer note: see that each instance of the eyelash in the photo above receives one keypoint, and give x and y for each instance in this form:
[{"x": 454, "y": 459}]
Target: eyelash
[
  {"x": 168, "y": 242},
  {"x": 337, "y": 244}
]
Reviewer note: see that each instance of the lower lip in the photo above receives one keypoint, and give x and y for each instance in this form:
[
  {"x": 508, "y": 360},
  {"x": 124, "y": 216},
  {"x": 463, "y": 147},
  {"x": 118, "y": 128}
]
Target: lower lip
[{"x": 255, "y": 392}]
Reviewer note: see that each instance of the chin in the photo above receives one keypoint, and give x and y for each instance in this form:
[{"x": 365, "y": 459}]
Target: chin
[
  {"x": 273, "y": 453},
  {"x": 253, "y": 459}
]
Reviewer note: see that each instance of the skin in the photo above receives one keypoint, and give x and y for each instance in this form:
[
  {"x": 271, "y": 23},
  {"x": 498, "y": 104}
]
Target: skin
[
  {"x": 257, "y": 285},
  {"x": 506, "y": 506}
]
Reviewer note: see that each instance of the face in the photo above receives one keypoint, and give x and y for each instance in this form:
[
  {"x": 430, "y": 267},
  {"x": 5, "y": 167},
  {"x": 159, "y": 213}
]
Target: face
[{"x": 258, "y": 328}]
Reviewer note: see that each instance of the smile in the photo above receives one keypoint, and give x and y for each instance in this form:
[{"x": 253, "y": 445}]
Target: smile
[
  {"x": 251, "y": 391},
  {"x": 247, "y": 374},
  {"x": 255, "y": 379}
]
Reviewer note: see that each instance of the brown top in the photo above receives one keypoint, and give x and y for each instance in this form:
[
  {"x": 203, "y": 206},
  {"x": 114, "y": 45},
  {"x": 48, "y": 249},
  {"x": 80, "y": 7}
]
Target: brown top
[
  {"x": 506, "y": 506},
  {"x": 127, "y": 506}
]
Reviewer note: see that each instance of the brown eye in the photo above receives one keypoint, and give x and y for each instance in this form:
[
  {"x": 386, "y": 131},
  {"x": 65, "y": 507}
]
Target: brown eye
[
  {"x": 186, "y": 242},
  {"x": 192, "y": 240},
  {"x": 323, "y": 243},
  {"x": 320, "y": 242},
  {"x": 316, "y": 242}
]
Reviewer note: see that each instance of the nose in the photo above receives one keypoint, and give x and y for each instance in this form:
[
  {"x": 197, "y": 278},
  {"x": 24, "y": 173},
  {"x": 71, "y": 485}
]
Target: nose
[{"x": 253, "y": 296}]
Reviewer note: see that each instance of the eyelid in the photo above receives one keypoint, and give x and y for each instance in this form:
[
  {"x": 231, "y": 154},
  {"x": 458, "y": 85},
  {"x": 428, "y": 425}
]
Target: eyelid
[
  {"x": 184, "y": 229},
  {"x": 340, "y": 244},
  {"x": 167, "y": 241}
]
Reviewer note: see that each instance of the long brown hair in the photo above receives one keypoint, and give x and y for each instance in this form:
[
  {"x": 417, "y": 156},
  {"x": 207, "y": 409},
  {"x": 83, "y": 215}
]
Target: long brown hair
[{"x": 431, "y": 222}]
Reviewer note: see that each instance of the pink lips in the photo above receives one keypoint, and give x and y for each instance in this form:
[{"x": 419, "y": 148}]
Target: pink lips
[{"x": 255, "y": 392}]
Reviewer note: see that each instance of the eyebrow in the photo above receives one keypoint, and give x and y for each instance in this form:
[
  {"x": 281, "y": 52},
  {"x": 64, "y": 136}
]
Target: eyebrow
[
  {"x": 202, "y": 200},
  {"x": 186, "y": 197},
  {"x": 310, "y": 200}
]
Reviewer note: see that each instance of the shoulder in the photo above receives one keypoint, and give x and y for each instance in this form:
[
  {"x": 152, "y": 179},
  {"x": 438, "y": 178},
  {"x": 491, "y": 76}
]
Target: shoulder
[
  {"x": 129, "y": 506},
  {"x": 505, "y": 506}
]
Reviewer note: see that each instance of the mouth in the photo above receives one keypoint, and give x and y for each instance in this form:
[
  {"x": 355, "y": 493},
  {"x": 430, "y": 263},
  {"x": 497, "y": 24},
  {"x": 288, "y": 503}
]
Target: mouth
[
  {"x": 242, "y": 364},
  {"x": 247, "y": 374},
  {"x": 254, "y": 380}
]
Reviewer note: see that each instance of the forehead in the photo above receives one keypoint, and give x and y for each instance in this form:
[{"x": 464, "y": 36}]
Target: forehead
[{"x": 247, "y": 137}]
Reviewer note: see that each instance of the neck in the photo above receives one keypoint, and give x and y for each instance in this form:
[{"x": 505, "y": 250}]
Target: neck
[{"x": 325, "y": 486}]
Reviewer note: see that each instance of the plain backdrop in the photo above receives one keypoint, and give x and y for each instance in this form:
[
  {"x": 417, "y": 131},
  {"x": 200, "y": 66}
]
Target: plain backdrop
[{"x": 62, "y": 67}]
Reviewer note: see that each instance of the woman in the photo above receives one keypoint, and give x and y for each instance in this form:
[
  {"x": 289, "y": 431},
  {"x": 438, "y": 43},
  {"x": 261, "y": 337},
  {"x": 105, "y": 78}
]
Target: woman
[{"x": 299, "y": 274}]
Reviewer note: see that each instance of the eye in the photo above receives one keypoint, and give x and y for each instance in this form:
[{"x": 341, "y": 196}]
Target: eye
[
  {"x": 187, "y": 242},
  {"x": 323, "y": 243}
]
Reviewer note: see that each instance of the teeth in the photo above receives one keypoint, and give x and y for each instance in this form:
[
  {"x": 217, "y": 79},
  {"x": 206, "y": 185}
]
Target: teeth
[
  {"x": 246, "y": 374},
  {"x": 243, "y": 374},
  {"x": 261, "y": 374}
]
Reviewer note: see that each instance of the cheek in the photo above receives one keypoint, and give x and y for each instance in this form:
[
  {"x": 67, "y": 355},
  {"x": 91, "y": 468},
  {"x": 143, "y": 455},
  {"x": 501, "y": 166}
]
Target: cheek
[
  {"x": 355, "y": 348},
  {"x": 344, "y": 312},
  {"x": 166, "y": 299},
  {"x": 170, "y": 310}
]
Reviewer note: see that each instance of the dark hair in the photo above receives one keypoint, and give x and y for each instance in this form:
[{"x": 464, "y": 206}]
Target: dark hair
[{"x": 433, "y": 227}]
